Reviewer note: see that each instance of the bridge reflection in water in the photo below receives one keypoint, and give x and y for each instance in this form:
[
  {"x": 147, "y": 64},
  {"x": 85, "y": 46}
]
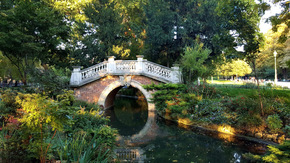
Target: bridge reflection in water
[{"x": 130, "y": 116}]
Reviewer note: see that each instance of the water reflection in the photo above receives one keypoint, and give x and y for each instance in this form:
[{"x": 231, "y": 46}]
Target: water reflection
[
  {"x": 128, "y": 115},
  {"x": 177, "y": 143}
]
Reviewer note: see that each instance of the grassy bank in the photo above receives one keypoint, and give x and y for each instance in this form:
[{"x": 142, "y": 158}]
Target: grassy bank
[
  {"x": 236, "y": 107},
  {"x": 253, "y": 93}
]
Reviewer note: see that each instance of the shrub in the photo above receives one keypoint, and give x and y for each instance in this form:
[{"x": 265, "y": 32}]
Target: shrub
[
  {"x": 205, "y": 91},
  {"x": 8, "y": 105},
  {"x": 82, "y": 148},
  {"x": 52, "y": 81},
  {"x": 274, "y": 123},
  {"x": 287, "y": 129},
  {"x": 210, "y": 112},
  {"x": 246, "y": 120},
  {"x": 12, "y": 145},
  {"x": 275, "y": 154},
  {"x": 8, "y": 99},
  {"x": 269, "y": 84},
  {"x": 250, "y": 85}
]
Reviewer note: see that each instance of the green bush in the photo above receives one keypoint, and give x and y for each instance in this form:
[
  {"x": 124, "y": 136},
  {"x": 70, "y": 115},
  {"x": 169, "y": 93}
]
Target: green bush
[
  {"x": 269, "y": 85},
  {"x": 51, "y": 81},
  {"x": 275, "y": 154},
  {"x": 247, "y": 120},
  {"x": 206, "y": 91},
  {"x": 210, "y": 111},
  {"x": 8, "y": 99},
  {"x": 274, "y": 123},
  {"x": 12, "y": 146},
  {"x": 250, "y": 85},
  {"x": 82, "y": 148},
  {"x": 287, "y": 129}
]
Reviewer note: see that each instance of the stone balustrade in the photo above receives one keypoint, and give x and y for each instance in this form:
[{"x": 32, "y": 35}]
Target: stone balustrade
[{"x": 125, "y": 67}]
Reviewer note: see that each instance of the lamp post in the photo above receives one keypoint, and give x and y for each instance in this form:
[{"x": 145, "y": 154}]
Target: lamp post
[{"x": 275, "y": 81}]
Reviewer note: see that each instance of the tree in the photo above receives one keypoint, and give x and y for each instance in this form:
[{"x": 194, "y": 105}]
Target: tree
[
  {"x": 73, "y": 9},
  {"x": 160, "y": 43},
  {"x": 266, "y": 57},
  {"x": 282, "y": 18},
  {"x": 234, "y": 68},
  {"x": 192, "y": 62},
  {"x": 221, "y": 25},
  {"x": 102, "y": 34},
  {"x": 31, "y": 31}
]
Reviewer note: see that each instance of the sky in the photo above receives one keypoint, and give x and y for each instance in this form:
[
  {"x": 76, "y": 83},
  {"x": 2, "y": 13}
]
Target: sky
[
  {"x": 265, "y": 26},
  {"x": 275, "y": 9}
]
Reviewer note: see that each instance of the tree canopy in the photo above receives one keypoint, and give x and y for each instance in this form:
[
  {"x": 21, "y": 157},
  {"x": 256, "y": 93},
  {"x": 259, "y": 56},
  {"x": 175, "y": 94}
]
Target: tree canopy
[
  {"x": 86, "y": 32},
  {"x": 234, "y": 68},
  {"x": 32, "y": 31}
]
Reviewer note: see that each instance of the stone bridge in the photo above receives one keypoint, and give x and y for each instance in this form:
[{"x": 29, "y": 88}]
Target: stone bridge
[{"x": 100, "y": 83}]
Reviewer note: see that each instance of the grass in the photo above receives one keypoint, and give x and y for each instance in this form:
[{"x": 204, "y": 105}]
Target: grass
[{"x": 253, "y": 93}]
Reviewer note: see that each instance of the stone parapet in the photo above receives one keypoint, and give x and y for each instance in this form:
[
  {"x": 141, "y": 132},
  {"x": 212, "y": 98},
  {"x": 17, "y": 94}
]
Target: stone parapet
[{"x": 125, "y": 67}]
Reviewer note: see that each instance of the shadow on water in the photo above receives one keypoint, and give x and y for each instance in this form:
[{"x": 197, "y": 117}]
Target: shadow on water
[
  {"x": 128, "y": 115},
  {"x": 175, "y": 143}
]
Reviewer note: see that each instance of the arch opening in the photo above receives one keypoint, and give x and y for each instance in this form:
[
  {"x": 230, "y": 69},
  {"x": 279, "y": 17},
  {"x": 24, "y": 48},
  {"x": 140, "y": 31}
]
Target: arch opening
[
  {"x": 107, "y": 98},
  {"x": 129, "y": 113}
]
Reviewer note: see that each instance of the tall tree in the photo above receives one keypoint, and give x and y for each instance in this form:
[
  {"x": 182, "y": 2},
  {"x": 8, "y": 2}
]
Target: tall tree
[
  {"x": 272, "y": 43},
  {"x": 31, "y": 31},
  {"x": 160, "y": 32},
  {"x": 193, "y": 62},
  {"x": 102, "y": 33},
  {"x": 282, "y": 18},
  {"x": 134, "y": 23},
  {"x": 221, "y": 25},
  {"x": 234, "y": 68}
]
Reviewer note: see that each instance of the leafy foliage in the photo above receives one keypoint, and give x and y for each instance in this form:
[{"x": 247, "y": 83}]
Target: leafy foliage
[
  {"x": 40, "y": 118},
  {"x": 274, "y": 122},
  {"x": 193, "y": 62},
  {"x": 12, "y": 149},
  {"x": 36, "y": 30},
  {"x": 206, "y": 105},
  {"x": 51, "y": 81},
  {"x": 276, "y": 154},
  {"x": 82, "y": 148},
  {"x": 281, "y": 18},
  {"x": 234, "y": 67}
]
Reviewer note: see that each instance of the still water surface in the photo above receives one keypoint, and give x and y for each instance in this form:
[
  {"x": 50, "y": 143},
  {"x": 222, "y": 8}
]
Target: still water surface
[{"x": 175, "y": 144}]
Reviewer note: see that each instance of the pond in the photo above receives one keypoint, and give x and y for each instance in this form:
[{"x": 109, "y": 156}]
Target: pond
[{"x": 175, "y": 143}]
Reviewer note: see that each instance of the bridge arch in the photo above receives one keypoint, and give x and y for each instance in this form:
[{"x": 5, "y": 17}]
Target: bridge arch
[{"x": 110, "y": 91}]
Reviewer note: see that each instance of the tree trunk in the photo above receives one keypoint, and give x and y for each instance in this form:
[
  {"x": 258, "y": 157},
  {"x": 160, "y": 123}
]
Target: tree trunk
[
  {"x": 258, "y": 83},
  {"x": 285, "y": 75}
]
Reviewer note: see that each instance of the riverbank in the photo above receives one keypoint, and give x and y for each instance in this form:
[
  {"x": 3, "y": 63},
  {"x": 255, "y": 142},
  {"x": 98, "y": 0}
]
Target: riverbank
[
  {"x": 230, "y": 133},
  {"x": 261, "y": 115}
]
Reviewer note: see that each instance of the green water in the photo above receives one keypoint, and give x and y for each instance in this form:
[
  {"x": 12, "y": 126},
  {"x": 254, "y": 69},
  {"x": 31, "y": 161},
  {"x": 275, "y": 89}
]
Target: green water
[{"x": 176, "y": 144}]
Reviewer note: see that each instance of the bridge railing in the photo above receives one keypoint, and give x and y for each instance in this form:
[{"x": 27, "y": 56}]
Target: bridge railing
[{"x": 125, "y": 67}]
